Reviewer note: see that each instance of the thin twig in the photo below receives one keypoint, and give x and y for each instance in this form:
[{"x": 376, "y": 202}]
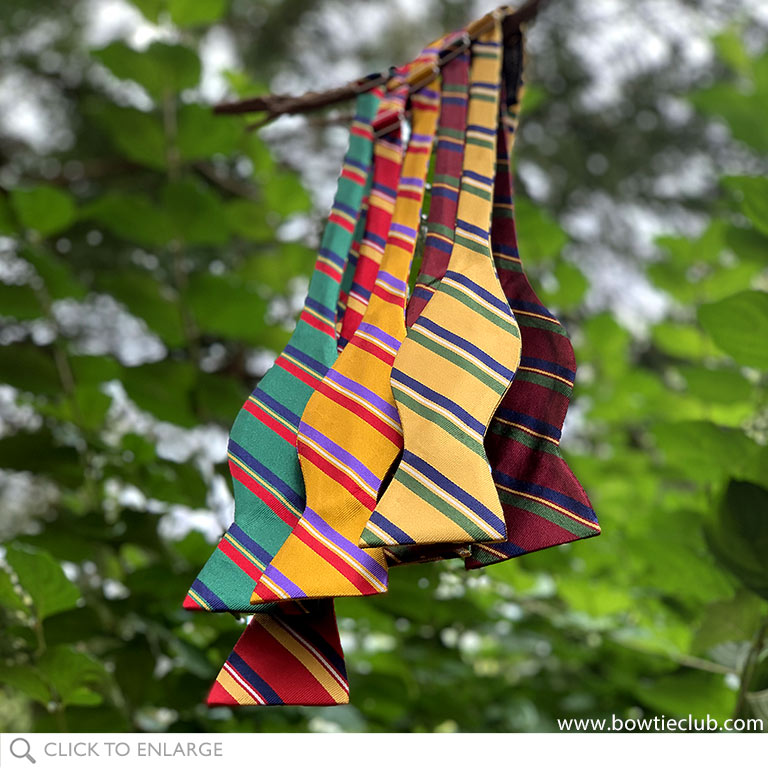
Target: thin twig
[{"x": 274, "y": 105}]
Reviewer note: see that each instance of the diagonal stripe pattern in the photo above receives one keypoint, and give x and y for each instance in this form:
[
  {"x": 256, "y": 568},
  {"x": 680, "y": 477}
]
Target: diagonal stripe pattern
[
  {"x": 350, "y": 433},
  {"x": 456, "y": 363},
  {"x": 544, "y": 504},
  {"x": 267, "y": 481},
  {"x": 282, "y": 659}
]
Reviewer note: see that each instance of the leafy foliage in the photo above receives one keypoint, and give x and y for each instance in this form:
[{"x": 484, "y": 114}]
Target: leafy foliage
[{"x": 147, "y": 280}]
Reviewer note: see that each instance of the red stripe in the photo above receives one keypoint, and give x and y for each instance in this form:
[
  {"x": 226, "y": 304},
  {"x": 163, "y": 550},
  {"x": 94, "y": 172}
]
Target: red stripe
[
  {"x": 239, "y": 559},
  {"x": 400, "y": 243},
  {"x": 343, "y": 223},
  {"x": 309, "y": 454},
  {"x": 381, "y": 426},
  {"x": 284, "y": 513},
  {"x": 333, "y": 272},
  {"x": 373, "y": 349},
  {"x": 296, "y": 372},
  {"x": 320, "y": 325},
  {"x": 360, "y": 130},
  {"x": 385, "y": 295},
  {"x": 347, "y": 571},
  {"x": 218, "y": 697},
  {"x": 278, "y": 667},
  {"x": 353, "y": 175},
  {"x": 269, "y": 421}
]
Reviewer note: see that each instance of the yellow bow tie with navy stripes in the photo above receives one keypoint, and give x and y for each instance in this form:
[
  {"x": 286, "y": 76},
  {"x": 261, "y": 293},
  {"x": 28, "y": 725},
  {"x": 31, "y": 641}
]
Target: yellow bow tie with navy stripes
[{"x": 456, "y": 362}]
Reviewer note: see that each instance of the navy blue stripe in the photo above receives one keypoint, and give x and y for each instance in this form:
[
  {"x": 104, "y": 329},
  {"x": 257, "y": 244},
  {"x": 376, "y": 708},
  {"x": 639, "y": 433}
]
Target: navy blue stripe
[
  {"x": 321, "y": 309},
  {"x": 506, "y": 250},
  {"x": 506, "y": 549},
  {"x": 435, "y": 242},
  {"x": 546, "y": 365},
  {"x": 467, "y": 346},
  {"x": 303, "y": 357},
  {"x": 358, "y": 289},
  {"x": 422, "y": 293},
  {"x": 531, "y": 306},
  {"x": 255, "y": 680},
  {"x": 482, "y": 128},
  {"x": 348, "y": 209},
  {"x": 391, "y": 191},
  {"x": 440, "y": 400},
  {"x": 546, "y": 493},
  {"x": 401, "y": 537},
  {"x": 276, "y": 406},
  {"x": 454, "y": 490},
  {"x": 451, "y": 194},
  {"x": 249, "y": 544},
  {"x": 473, "y": 228},
  {"x": 481, "y": 292},
  {"x": 331, "y": 256},
  {"x": 376, "y": 239},
  {"x": 477, "y": 176},
  {"x": 321, "y": 644},
  {"x": 363, "y": 166},
  {"x": 460, "y": 100},
  {"x": 213, "y": 600},
  {"x": 503, "y": 199},
  {"x": 542, "y": 427},
  {"x": 298, "y": 501}
]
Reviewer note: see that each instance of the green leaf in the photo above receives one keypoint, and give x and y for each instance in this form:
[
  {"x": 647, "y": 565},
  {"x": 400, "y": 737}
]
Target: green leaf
[
  {"x": 227, "y": 306},
  {"x": 19, "y": 301},
  {"x": 728, "y": 621},
  {"x": 43, "y": 579},
  {"x": 249, "y": 220},
  {"x": 753, "y": 192},
  {"x": 40, "y": 453},
  {"x": 45, "y": 210},
  {"x": 161, "y": 69},
  {"x": 150, "y": 8},
  {"x": 72, "y": 675},
  {"x": 739, "y": 326},
  {"x": 683, "y": 341},
  {"x": 285, "y": 194},
  {"x": 28, "y": 681},
  {"x": 30, "y": 368},
  {"x": 60, "y": 281},
  {"x": 165, "y": 389},
  {"x": 147, "y": 299},
  {"x": 716, "y": 385},
  {"x": 197, "y": 213},
  {"x": 137, "y": 135},
  {"x": 202, "y": 134},
  {"x": 572, "y": 285},
  {"x": 738, "y": 536},
  {"x": 7, "y": 223},
  {"x": 704, "y": 451},
  {"x": 132, "y": 217},
  {"x": 192, "y": 13},
  {"x": 9, "y": 597},
  {"x": 540, "y": 237},
  {"x": 696, "y": 693},
  {"x": 738, "y": 109}
]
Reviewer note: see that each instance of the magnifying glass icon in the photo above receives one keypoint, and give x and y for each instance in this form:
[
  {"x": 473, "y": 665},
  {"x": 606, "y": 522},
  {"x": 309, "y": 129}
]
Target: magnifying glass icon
[{"x": 20, "y": 748}]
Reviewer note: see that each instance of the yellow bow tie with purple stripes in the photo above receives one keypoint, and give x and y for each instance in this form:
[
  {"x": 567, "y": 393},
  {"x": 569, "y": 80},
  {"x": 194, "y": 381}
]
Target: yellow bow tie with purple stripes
[{"x": 350, "y": 434}]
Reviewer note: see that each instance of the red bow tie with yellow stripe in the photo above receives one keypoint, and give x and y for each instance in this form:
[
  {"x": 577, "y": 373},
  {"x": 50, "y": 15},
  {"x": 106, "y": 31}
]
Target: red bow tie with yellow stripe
[{"x": 409, "y": 428}]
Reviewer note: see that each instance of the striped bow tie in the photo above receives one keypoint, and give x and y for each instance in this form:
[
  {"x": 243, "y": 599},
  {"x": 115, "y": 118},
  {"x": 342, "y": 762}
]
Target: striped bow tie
[
  {"x": 267, "y": 481},
  {"x": 544, "y": 504},
  {"x": 457, "y": 361},
  {"x": 350, "y": 434}
]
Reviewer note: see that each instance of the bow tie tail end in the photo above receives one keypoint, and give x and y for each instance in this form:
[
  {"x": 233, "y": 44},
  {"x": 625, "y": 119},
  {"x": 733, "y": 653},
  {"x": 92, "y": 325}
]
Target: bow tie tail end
[
  {"x": 285, "y": 659},
  {"x": 317, "y": 561}
]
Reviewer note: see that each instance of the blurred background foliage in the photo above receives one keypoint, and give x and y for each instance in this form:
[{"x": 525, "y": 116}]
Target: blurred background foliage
[{"x": 153, "y": 260}]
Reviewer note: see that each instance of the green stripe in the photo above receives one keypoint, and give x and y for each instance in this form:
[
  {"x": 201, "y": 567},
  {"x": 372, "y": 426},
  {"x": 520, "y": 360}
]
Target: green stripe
[
  {"x": 525, "y": 438},
  {"x": 477, "y": 142},
  {"x": 440, "y": 505},
  {"x": 526, "y": 321},
  {"x": 542, "y": 510},
  {"x": 544, "y": 381},
  {"x": 457, "y": 360},
  {"x": 506, "y": 325},
  {"x": 474, "y": 444},
  {"x": 441, "y": 229}
]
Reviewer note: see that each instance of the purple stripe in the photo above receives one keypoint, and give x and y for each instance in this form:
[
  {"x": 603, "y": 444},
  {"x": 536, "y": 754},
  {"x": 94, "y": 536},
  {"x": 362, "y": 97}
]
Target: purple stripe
[
  {"x": 343, "y": 456},
  {"x": 402, "y": 229},
  {"x": 391, "y": 280},
  {"x": 377, "y": 333},
  {"x": 346, "y": 545},
  {"x": 366, "y": 394},
  {"x": 283, "y": 582}
]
